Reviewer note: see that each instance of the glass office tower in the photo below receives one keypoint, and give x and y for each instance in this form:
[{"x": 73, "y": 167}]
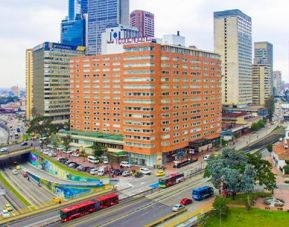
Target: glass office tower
[{"x": 101, "y": 15}]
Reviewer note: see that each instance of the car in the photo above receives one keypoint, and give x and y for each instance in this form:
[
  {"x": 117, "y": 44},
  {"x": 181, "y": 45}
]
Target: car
[
  {"x": 125, "y": 174},
  {"x": 87, "y": 169},
  {"x": 186, "y": 201},
  {"x": 56, "y": 200},
  {"x": 125, "y": 164},
  {"x": 67, "y": 152},
  {"x": 46, "y": 151},
  {"x": 25, "y": 174},
  {"x": 93, "y": 159},
  {"x": 24, "y": 144},
  {"x": 138, "y": 175},
  {"x": 80, "y": 168},
  {"x": 160, "y": 173},
  {"x": 8, "y": 207},
  {"x": 145, "y": 171},
  {"x": 207, "y": 157},
  {"x": 15, "y": 171},
  {"x": 117, "y": 172},
  {"x": 73, "y": 165},
  {"x": 68, "y": 163},
  {"x": 52, "y": 154},
  {"x": 4, "y": 150},
  {"x": 5, "y": 213},
  {"x": 178, "y": 207},
  {"x": 93, "y": 171},
  {"x": 75, "y": 154},
  {"x": 18, "y": 167},
  {"x": 62, "y": 160},
  {"x": 105, "y": 161}
]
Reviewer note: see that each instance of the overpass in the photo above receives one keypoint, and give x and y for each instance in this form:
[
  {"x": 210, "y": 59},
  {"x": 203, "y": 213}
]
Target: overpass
[{"x": 19, "y": 156}]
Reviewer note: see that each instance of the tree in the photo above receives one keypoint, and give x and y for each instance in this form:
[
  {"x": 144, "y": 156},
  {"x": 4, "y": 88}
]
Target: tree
[
  {"x": 220, "y": 206},
  {"x": 54, "y": 140},
  {"x": 264, "y": 174},
  {"x": 270, "y": 147},
  {"x": 286, "y": 169},
  {"x": 249, "y": 182},
  {"x": 66, "y": 140},
  {"x": 98, "y": 150},
  {"x": 82, "y": 153},
  {"x": 270, "y": 106}
]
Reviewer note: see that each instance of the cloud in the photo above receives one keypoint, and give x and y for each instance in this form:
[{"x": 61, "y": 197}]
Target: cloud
[{"x": 27, "y": 23}]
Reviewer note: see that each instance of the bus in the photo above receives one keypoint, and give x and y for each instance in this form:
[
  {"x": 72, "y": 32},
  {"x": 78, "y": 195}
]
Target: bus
[
  {"x": 84, "y": 208},
  {"x": 202, "y": 193},
  {"x": 179, "y": 164},
  {"x": 171, "y": 180}
]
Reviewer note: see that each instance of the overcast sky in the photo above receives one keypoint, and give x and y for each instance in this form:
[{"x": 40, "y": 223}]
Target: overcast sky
[{"x": 26, "y": 23}]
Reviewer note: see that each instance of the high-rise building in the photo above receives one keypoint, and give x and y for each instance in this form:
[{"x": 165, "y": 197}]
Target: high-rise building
[
  {"x": 103, "y": 14},
  {"x": 29, "y": 83},
  {"x": 48, "y": 66},
  {"x": 263, "y": 53},
  {"x": 261, "y": 83},
  {"x": 73, "y": 28},
  {"x": 277, "y": 82},
  {"x": 152, "y": 101},
  {"x": 144, "y": 21},
  {"x": 233, "y": 41}
]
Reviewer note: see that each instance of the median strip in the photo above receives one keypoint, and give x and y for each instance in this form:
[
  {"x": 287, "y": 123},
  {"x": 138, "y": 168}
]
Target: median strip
[{"x": 9, "y": 187}]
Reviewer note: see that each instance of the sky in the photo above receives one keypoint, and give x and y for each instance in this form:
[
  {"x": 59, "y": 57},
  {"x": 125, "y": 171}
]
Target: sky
[{"x": 27, "y": 23}]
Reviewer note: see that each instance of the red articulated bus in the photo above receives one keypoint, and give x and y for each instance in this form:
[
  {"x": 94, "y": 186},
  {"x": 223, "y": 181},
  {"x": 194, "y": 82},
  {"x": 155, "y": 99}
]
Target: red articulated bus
[{"x": 87, "y": 207}]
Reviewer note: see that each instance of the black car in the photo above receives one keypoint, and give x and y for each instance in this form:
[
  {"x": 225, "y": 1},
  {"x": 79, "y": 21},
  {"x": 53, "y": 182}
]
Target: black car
[
  {"x": 87, "y": 169},
  {"x": 117, "y": 172},
  {"x": 24, "y": 144},
  {"x": 63, "y": 160}
]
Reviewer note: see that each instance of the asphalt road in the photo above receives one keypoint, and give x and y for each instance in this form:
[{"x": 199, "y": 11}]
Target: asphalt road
[{"x": 29, "y": 189}]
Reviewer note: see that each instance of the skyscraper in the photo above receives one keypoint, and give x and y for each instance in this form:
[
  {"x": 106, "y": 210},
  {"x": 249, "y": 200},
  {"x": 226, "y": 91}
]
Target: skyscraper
[
  {"x": 263, "y": 53},
  {"x": 48, "y": 67},
  {"x": 29, "y": 83},
  {"x": 103, "y": 14},
  {"x": 73, "y": 28},
  {"x": 233, "y": 41},
  {"x": 144, "y": 22},
  {"x": 277, "y": 82}
]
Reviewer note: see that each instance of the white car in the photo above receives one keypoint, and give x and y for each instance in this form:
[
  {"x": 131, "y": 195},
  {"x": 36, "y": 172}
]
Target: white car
[
  {"x": 51, "y": 154},
  {"x": 6, "y": 214},
  {"x": 125, "y": 174},
  {"x": 93, "y": 159},
  {"x": 145, "y": 171},
  {"x": 3, "y": 150},
  {"x": 46, "y": 152},
  {"x": 105, "y": 161},
  {"x": 93, "y": 171},
  {"x": 125, "y": 164},
  {"x": 15, "y": 171},
  {"x": 75, "y": 154},
  {"x": 178, "y": 207}
]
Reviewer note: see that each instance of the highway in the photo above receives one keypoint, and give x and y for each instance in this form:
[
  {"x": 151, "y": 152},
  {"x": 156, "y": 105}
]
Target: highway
[{"x": 29, "y": 189}]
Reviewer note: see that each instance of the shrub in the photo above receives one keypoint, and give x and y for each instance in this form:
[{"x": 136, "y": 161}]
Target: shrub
[{"x": 220, "y": 206}]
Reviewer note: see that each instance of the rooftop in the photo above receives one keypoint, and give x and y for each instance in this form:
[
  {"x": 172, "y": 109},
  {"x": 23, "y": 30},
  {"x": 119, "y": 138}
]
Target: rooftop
[{"x": 281, "y": 151}]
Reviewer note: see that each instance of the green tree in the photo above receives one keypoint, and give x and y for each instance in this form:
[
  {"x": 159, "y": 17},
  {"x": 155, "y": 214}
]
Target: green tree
[
  {"x": 54, "y": 140},
  {"x": 82, "y": 153},
  {"x": 270, "y": 147},
  {"x": 270, "y": 106},
  {"x": 263, "y": 168},
  {"x": 286, "y": 169},
  {"x": 249, "y": 182},
  {"x": 98, "y": 150},
  {"x": 66, "y": 140},
  {"x": 220, "y": 207}
]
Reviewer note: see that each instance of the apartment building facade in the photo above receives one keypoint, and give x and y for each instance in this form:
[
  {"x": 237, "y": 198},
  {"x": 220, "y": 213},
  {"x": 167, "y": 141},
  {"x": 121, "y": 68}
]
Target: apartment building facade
[{"x": 158, "y": 98}]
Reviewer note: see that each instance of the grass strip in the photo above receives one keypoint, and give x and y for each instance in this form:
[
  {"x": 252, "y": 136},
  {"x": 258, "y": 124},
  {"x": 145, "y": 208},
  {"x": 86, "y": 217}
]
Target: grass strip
[{"x": 13, "y": 190}]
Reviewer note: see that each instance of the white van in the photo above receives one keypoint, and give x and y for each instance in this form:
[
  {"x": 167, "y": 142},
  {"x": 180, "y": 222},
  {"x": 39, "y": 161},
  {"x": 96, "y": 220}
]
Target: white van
[{"x": 93, "y": 159}]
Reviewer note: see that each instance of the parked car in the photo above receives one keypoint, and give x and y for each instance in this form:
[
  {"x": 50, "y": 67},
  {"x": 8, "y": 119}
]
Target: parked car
[
  {"x": 125, "y": 174},
  {"x": 186, "y": 201},
  {"x": 46, "y": 151},
  {"x": 93, "y": 171},
  {"x": 73, "y": 165},
  {"x": 93, "y": 159},
  {"x": 67, "y": 152},
  {"x": 5, "y": 213},
  {"x": 62, "y": 160},
  {"x": 75, "y": 154},
  {"x": 178, "y": 207},
  {"x": 160, "y": 173},
  {"x": 117, "y": 172},
  {"x": 145, "y": 171},
  {"x": 138, "y": 174},
  {"x": 105, "y": 161},
  {"x": 52, "y": 154},
  {"x": 87, "y": 169},
  {"x": 102, "y": 170},
  {"x": 125, "y": 164},
  {"x": 80, "y": 168}
]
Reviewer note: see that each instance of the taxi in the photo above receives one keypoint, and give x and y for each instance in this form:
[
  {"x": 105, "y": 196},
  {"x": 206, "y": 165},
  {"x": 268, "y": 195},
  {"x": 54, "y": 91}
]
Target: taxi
[
  {"x": 8, "y": 207},
  {"x": 160, "y": 173}
]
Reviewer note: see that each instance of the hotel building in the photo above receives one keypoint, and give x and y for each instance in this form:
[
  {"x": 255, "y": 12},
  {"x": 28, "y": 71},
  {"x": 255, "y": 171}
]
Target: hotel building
[{"x": 150, "y": 101}]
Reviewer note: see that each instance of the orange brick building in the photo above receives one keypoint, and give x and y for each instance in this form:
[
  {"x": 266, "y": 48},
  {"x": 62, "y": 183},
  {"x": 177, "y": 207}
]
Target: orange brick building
[{"x": 157, "y": 97}]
